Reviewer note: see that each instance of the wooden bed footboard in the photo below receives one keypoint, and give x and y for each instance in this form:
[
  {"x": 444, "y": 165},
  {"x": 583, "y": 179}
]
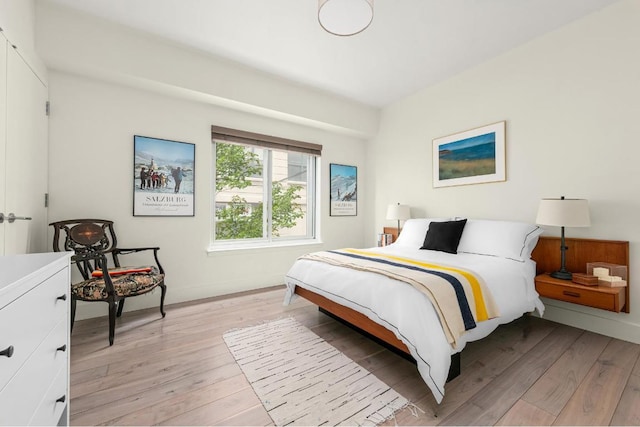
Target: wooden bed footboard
[{"x": 354, "y": 318}]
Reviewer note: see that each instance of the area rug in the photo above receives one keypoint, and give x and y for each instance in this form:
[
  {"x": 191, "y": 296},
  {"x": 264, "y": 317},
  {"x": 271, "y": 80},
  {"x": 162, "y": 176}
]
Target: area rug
[{"x": 303, "y": 380}]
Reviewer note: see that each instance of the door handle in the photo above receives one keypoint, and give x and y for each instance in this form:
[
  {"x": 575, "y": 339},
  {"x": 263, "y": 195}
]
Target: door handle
[
  {"x": 12, "y": 218},
  {"x": 8, "y": 352}
]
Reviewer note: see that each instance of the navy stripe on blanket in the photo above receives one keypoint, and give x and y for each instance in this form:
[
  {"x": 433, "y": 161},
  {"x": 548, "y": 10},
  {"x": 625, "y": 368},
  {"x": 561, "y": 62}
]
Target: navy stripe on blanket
[{"x": 463, "y": 303}]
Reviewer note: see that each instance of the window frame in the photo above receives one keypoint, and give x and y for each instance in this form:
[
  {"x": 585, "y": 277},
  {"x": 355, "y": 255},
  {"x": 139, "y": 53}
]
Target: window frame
[{"x": 269, "y": 143}]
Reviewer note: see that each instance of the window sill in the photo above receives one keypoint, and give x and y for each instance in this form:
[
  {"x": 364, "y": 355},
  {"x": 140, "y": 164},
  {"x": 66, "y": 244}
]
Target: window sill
[{"x": 259, "y": 246}]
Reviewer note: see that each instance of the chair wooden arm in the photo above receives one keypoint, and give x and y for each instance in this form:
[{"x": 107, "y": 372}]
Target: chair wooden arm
[{"x": 126, "y": 251}]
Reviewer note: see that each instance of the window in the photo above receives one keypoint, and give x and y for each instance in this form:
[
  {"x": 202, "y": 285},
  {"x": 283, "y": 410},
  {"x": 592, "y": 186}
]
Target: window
[
  {"x": 296, "y": 166},
  {"x": 264, "y": 189}
]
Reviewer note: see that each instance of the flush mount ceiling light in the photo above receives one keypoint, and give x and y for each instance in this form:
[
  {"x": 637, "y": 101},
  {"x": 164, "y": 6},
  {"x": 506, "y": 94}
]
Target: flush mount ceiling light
[{"x": 345, "y": 17}]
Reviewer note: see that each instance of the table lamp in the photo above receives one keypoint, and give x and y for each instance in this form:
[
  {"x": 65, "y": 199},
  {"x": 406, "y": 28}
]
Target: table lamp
[
  {"x": 398, "y": 212},
  {"x": 563, "y": 213}
]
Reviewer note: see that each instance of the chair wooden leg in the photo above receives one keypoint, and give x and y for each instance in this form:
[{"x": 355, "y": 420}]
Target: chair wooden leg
[
  {"x": 112, "y": 320},
  {"x": 164, "y": 292},
  {"x": 73, "y": 311},
  {"x": 120, "y": 307}
]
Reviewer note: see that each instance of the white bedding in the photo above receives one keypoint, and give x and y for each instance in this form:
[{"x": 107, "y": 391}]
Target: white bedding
[{"x": 408, "y": 313}]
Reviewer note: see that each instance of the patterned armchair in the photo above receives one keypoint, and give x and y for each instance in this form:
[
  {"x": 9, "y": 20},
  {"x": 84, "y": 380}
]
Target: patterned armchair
[{"x": 93, "y": 240}]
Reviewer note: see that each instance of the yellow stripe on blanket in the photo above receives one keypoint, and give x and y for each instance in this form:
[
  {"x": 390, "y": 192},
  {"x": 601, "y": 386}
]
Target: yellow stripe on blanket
[
  {"x": 459, "y": 297},
  {"x": 478, "y": 296}
]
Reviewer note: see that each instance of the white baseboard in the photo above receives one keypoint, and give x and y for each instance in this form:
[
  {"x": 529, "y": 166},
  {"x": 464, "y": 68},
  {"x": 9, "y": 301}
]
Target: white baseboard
[
  {"x": 611, "y": 324},
  {"x": 87, "y": 310}
]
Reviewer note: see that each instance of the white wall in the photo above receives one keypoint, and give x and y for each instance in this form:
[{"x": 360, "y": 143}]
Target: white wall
[
  {"x": 93, "y": 120},
  {"x": 571, "y": 102},
  {"x": 17, "y": 20}
]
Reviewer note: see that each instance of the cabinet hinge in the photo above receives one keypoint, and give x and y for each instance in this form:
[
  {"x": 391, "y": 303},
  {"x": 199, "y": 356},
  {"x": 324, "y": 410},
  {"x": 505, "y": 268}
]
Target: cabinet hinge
[
  {"x": 47, "y": 108},
  {"x": 46, "y": 200}
]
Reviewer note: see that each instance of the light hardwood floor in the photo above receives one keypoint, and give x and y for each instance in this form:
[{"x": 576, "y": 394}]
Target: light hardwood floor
[{"x": 178, "y": 371}]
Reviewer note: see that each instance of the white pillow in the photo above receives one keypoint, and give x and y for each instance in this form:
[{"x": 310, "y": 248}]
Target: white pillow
[
  {"x": 414, "y": 231},
  {"x": 506, "y": 239}
]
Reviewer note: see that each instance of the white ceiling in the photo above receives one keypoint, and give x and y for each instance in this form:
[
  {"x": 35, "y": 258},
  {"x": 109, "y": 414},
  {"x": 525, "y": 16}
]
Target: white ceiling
[{"x": 411, "y": 44}]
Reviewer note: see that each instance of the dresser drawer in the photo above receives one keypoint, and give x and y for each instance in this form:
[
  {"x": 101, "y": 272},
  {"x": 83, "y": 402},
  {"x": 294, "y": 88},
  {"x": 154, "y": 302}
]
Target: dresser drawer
[
  {"x": 28, "y": 387},
  {"x": 29, "y": 319},
  {"x": 53, "y": 403}
]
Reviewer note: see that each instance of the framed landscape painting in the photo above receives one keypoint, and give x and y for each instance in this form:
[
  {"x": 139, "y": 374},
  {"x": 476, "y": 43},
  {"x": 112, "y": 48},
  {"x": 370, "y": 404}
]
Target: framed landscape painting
[
  {"x": 344, "y": 190},
  {"x": 163, "y": 177},
  {"x": 470, "y": 157}
]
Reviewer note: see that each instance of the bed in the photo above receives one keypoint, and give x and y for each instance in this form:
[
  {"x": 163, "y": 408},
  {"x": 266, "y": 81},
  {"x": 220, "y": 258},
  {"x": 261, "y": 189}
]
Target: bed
[{"x": 498, "y": 252}]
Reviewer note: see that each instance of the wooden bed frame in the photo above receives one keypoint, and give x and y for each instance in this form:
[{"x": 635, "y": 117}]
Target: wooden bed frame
[{"x": 547, "y": 257}]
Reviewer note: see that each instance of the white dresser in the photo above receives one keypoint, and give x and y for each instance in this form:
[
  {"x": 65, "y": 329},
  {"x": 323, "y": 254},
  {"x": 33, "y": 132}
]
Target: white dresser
[{"x": 34, "y": 339}]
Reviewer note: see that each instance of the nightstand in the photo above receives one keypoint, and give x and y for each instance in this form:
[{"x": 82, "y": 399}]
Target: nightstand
[
  {"x": 612, "y": 299},
  {"x": 393, "y": 231}
]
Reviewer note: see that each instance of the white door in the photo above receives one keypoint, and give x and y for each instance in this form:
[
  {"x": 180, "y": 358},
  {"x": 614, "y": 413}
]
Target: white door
[
  {"x": 26, "y": 167},
  {"x": 3, "y": 132}
]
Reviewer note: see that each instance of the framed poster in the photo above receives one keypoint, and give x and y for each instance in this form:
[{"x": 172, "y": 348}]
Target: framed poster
[
  {"x": 344, "y": 190},
  {"x": 163, "y": 177},
  {"x": 470, "y": 157}
]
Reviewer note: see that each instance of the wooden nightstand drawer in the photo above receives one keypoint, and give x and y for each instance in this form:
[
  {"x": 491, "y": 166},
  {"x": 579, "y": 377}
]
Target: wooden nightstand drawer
[{"x": 612, "y": 299}]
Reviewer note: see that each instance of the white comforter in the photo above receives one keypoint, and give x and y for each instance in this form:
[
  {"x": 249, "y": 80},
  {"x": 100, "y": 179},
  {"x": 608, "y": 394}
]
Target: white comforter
[{"x": 408, "y": 313}]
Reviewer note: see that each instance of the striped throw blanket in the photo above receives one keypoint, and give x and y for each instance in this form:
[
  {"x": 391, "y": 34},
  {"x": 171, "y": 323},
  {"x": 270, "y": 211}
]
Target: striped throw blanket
[{"x": 460, "y": 297}]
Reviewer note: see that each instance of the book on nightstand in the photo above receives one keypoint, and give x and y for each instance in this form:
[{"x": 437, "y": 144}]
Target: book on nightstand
[
  {"x": 384, "y": 239},
  {"x": 585, "y": 279}
]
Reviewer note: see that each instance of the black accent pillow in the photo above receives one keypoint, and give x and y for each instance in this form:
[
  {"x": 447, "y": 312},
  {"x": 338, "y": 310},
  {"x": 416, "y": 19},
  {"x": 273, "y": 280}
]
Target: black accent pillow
[{"x": 444, "y": 236}]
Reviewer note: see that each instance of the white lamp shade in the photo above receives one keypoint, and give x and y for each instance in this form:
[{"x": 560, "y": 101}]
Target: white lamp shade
[
  {"x": 398, "y": 212},
  {"x": 564, "y": 212},
  {"x": 345, "y": 17}
]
